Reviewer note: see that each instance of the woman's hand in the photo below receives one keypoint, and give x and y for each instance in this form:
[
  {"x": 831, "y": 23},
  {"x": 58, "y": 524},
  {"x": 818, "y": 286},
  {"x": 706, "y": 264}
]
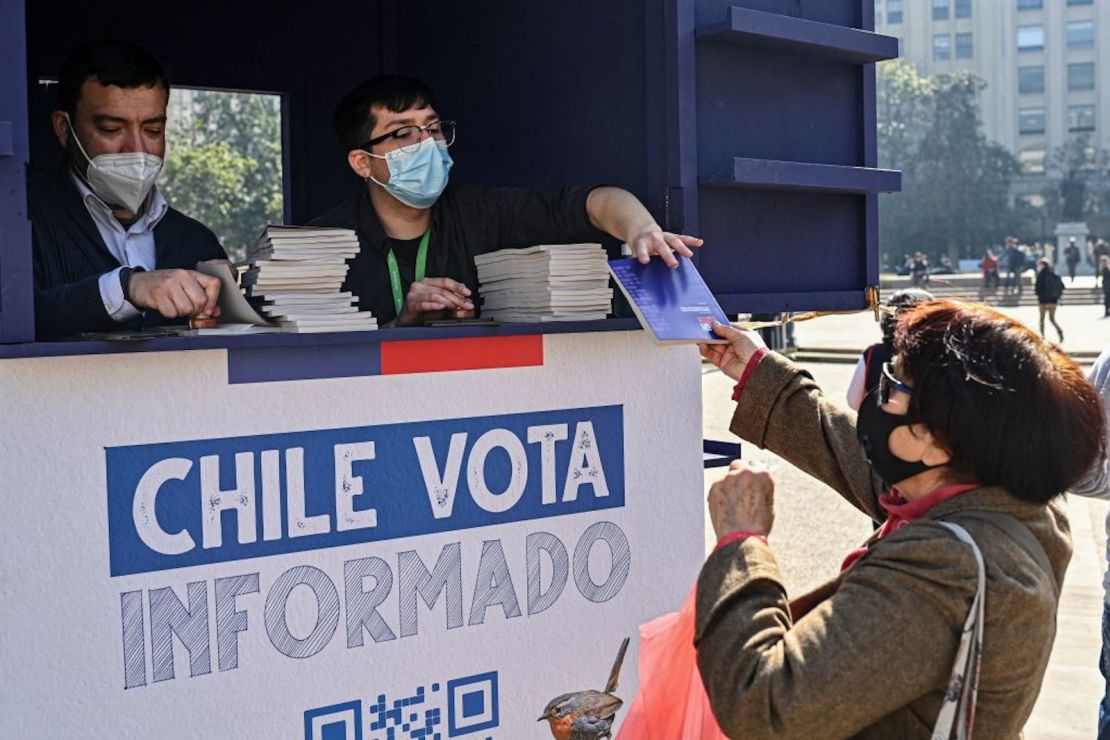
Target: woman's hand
[
  {"x": 743, "y": 501},
  {"x": 733, "y": 357}
]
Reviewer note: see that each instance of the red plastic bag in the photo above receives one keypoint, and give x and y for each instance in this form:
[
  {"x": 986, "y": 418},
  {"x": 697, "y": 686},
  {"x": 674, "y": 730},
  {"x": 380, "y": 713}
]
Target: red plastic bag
[{"x": 671, "y": 703}]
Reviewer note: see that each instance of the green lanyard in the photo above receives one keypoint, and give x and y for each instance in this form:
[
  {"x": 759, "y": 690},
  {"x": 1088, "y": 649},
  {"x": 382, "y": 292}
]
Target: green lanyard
[{"x": 395, "y": 271}]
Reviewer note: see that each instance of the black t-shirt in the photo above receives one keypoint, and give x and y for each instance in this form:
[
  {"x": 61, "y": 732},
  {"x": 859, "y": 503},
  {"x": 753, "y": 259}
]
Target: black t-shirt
[
  {"x": 405, "y": 251},
  {"x": 466, "y": 221}
]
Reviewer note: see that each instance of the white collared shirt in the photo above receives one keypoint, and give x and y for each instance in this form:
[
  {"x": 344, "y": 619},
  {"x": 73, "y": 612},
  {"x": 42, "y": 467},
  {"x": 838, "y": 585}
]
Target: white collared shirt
[{"x": 133, "y": 247}]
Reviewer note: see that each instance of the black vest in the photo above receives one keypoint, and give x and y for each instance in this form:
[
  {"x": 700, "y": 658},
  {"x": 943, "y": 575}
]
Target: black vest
[{"x": 70, "y": 256}]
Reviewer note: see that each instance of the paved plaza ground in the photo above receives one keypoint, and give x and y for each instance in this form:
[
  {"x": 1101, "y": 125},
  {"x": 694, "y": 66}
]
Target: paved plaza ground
[{"x": 814, "y": 527}]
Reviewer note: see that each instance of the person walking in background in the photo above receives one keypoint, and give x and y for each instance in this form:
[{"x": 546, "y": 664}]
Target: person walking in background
[
  {"x": 919, "y": 272},
  {"x": 870, "y": 365},
  {"x": 1104, "y": 273},
  {"x": 1099, "y": 250},
  {"x": 990, "y": 270},
  {"x": 1071, "y": 257},
  {"x": 1049, "y": 289},
  {"x": 1015, "y": 264}
]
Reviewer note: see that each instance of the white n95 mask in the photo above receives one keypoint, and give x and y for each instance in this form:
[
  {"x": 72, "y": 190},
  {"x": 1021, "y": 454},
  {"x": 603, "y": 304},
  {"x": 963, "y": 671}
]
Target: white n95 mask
[{"x": 122, "y": 180}]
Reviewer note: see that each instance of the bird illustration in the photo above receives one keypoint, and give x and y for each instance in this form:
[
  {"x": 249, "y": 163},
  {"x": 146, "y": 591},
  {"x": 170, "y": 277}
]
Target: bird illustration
[{"x": 586, "y": 715}]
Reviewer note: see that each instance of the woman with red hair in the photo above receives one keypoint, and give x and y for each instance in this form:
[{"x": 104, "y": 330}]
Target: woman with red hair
[{"x": 943, "y": 621}]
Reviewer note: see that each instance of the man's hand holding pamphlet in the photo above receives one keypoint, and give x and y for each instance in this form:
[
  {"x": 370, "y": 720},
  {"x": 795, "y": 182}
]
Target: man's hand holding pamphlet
[{"x": 674, "y": 304}]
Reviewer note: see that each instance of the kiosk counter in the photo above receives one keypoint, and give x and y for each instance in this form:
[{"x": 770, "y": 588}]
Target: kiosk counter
[{"x": 431, "y": 533}]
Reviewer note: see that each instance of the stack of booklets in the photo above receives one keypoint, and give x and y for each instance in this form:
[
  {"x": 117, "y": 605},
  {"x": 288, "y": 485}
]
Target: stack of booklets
[
  {"x": 295, "y": 275},
  {"x": 561, "y": 282}
]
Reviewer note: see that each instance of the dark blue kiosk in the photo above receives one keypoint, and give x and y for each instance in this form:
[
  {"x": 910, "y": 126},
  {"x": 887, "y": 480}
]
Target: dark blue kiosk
[{"x": 409, "y": 533}]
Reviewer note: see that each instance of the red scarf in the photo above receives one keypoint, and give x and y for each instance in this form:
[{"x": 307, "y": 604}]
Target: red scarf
[{"x": 901, "y": 512}]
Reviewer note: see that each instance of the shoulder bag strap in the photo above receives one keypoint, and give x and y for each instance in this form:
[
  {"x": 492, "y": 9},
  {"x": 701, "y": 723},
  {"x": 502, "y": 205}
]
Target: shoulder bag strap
[{"x": 957, "y": 712}]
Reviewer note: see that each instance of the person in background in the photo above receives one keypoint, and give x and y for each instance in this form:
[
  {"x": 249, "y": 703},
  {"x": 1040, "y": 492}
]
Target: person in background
[
  {"x": 978, "y": 424},
  {"x": 1104, "y": 273},
  {"x": 106, "y": 246},
  {"x": 990, "y": 270},
  {"x": 919, "y": 273},
  {"x": 1014, "y": 259},
  {"x": 1098, "y": 250},
  {"x": 1096, "y": 484},
  {"x": 419, "y": 235},
  {"x": 1071, "y": 257},
  {"x": 1049, "y": 288},
  {"x": 869, "y": 367}
]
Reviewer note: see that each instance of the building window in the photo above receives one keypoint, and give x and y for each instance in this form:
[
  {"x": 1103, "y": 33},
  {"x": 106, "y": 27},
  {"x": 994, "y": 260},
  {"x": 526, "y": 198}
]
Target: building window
[
  {"x": 1030, "y": 38},
  {"x": 942, "y": 47},
  {"x": 878, "y": 12},
  {"x": 1029, "y": 4},
  {"x": 894, "y": 11},
  {"x": 1081, "y": 76},
  {"x": 1032, "y": 161},
  {"x": 1030, "y": 80},
  {"x": 965, "y": 48},
  {"x": 940, "y": 10},
  {"x": 1081, "y": 118},
  {"x": 1031, "y": 121},
  {"x": 1081, "y": 35},
  {"x": 963, "y": 8}
]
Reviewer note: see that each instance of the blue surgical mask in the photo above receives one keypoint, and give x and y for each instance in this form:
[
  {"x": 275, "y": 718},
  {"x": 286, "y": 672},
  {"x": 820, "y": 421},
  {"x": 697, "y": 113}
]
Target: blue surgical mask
[{"x": 417, "y": 178}]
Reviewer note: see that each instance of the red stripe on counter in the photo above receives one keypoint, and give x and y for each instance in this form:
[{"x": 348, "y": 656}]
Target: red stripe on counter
[{"x": 476, "y": 353}]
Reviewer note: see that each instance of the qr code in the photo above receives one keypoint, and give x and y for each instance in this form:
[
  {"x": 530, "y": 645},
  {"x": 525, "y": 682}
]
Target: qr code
[{"x": 461, "y": 707}]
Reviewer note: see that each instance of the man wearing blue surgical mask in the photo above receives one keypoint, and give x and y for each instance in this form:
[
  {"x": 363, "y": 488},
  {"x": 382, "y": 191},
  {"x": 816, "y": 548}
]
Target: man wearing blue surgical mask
[
  {"x": 109, "y": 252},
  {"x": 419, "y": 234}
]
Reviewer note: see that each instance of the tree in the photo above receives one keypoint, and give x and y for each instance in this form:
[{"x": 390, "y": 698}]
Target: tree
[
  {"x": 1080, "y": 192},
  {"x": 955, "y": 195},
  {"x": 224, "y": 163}
]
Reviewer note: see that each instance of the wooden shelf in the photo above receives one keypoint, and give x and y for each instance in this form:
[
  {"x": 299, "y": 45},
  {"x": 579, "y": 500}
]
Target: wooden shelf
[
  {"x": 754, "y": 28},
  {"x": 770, "y": 174}
]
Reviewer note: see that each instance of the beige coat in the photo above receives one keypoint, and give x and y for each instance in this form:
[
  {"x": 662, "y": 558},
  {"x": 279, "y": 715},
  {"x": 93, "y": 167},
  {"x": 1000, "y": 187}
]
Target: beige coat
[{"x": 873, "y": 659}]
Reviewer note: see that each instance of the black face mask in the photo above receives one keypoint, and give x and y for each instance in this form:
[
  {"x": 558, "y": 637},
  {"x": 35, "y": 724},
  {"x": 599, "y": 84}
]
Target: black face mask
[{"x": 873, "y": 428}]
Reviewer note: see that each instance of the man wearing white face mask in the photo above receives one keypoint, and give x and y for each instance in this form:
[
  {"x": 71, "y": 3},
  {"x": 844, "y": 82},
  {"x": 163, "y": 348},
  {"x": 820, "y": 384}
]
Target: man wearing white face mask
[
  {"x": 109, "y": 252},
  {"x": 419, "y": 235}
]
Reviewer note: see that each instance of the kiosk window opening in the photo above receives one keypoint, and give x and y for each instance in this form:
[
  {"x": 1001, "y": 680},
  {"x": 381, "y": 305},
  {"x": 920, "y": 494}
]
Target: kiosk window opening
[{"x": 224, "y": 162}]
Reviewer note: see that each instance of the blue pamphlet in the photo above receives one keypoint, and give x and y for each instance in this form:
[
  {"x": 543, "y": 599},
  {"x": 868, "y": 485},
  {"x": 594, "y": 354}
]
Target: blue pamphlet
[{"x": 675, "y": 304}]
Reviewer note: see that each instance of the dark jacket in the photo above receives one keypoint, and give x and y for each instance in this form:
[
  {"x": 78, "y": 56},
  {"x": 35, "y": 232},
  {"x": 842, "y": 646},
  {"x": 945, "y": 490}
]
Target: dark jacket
[
  {"x": 466, "y": 221},
  {"x": 1049, "y": 287},
  {"x": 70, "y": 256},
  {"x": 872, "y": 657}
]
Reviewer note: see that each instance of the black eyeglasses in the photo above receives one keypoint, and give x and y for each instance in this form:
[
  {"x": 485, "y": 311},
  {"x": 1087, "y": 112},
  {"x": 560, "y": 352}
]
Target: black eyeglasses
[
  {"x": 887, "y": 383},
  {"x": 409, "y": 138}
]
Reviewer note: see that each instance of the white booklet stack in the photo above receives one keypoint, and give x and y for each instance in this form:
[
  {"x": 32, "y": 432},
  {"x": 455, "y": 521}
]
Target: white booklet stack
[
  {"x": 295, "y": 276},
  {"x": 560, "y": 282}
]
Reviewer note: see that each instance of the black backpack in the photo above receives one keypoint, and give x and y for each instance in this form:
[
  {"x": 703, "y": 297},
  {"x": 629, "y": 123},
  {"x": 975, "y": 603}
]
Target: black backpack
[{"x": 1055, "y": 287}]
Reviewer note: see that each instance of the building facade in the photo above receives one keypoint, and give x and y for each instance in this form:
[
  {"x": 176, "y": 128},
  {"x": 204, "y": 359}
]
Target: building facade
[{"x": 1046, "y": 64}]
